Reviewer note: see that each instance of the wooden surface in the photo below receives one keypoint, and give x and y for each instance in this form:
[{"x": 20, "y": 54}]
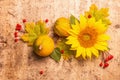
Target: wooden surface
[{"x": 18, "y": 62}]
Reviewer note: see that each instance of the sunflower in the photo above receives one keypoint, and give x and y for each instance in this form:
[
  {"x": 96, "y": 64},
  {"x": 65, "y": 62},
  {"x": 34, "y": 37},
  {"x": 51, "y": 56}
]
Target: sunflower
[{"x": 88, "y": 37}]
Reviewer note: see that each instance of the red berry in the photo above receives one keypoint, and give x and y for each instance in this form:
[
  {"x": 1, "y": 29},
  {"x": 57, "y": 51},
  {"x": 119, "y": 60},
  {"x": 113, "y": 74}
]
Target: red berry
[
  {"x": 16, "y": 40},
  {"x": 18, "y": 27},
  {"x": 46, "y": 20},
  {"x": 106, "y": 60},
  {"x": 62, "y": 51},
  {"x": 89, "y": 16},
  {"x": 101, "y": 64},
  {"x": 41, "y": 72},
  {"x": 105, "y": 65},
  {"x": 16, "y": 34},
  {"x": 110, "y": 57},
  {"x": 24, "y": 20}
]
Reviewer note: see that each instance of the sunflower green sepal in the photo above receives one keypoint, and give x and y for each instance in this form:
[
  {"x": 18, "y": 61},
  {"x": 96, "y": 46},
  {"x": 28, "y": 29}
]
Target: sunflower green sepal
[{"x": 73, "y": 20}]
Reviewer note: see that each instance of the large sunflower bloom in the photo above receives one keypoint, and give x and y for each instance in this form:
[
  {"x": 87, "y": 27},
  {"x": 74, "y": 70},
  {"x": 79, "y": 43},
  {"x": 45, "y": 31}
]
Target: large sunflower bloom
[{"x": 88, "y": 37}]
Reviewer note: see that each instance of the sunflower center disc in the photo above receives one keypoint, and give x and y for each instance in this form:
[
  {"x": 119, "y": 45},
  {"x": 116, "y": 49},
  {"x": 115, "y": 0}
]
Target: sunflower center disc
[{"x": 86, "y": 37}]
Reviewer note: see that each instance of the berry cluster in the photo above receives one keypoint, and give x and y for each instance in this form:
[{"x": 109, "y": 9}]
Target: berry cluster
[
  {"x": 18, "y": 29},
  {"x": 106, "y": 56}
]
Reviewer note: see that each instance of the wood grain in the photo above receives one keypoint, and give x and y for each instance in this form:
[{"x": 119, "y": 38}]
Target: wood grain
[{"x": 17, "y": 60}]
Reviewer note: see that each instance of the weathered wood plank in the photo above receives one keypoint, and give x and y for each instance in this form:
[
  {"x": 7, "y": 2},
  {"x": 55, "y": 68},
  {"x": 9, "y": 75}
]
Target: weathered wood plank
[{"x": 17, "y": 60}]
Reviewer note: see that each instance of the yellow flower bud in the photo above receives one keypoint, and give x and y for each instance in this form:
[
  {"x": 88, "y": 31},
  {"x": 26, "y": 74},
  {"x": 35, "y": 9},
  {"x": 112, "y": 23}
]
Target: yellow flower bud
[{"x": 62, "y": 26}]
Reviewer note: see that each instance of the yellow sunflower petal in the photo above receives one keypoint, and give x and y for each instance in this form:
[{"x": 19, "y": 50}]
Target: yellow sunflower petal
[
  {"x": 76, "y": 26},
  {"x": 100, "y": 47},
  {"x": 83, "y": 22},
  {"x": 84, "y": 53},
  {"x": 103, "y": 37},
  {"x": 102, "y": 43},
  {"x": 91, "y": 22},
  {"x": 73, "y": 33},
  {"x": 88, "y": 53},
  {"x": 79, "y": 52},
  {"x": 100, "y": 27},
  {"x": 95, "y": 52},
  {"x": 70, "y": 40},
  {"x": 74, "y": 45}
]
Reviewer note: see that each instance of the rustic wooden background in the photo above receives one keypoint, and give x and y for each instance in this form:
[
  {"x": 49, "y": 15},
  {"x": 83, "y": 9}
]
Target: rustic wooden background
[{"x": 18, "y": 62}]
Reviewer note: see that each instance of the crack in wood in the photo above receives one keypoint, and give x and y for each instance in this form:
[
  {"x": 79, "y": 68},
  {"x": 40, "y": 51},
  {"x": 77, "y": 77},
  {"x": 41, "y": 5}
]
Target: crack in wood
[{"x": 11, "y": 13}]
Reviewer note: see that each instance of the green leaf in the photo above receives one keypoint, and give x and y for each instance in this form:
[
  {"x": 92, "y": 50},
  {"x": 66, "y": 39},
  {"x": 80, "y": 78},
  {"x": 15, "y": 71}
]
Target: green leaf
[
  {"x": 67, "y": 52},
  {"x": 25, "y": 37},
  {"x": 33, "y": 31},
  {"x": 32, "y": 38},
  {"x": 42, "y": 27},
  {"x": 29, "y": 38},
  {"x": 29, "y": 27},
  {"x": 37, "y": 29},
  {"x": 73, "y": 19},
  {"x": 56, "y": 54}
]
